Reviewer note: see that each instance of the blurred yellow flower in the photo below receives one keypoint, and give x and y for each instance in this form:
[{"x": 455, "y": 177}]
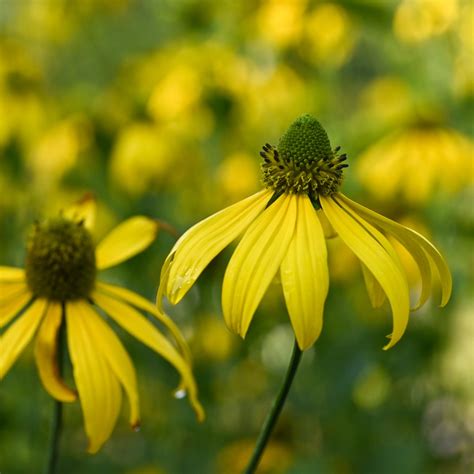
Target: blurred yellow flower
[
  {"x": 329, "y": 35},
  {"x": 280, "y": 21},
  {"x": 385, "y": 100},
  {"x": 58, "y": 286},
  {"x": 282, "y": 231},
  {"x": 57, "y": 150},
  {"x": 416, "y": 162},
  {"x": 464, "y": 65},
  {"x": 238, "y": 176},
  {"x": 418, "y": 20}
]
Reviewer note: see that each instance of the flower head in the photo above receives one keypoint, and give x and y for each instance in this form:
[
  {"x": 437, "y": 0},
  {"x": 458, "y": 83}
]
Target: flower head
[
  {"x": 58, "y": 285},
  {"x": 283, "y": 229}
]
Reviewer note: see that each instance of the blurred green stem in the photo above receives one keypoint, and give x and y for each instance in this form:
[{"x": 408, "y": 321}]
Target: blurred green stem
[
  {"x": 57, "y": 418},
  {"x": 275, "y": 411}
]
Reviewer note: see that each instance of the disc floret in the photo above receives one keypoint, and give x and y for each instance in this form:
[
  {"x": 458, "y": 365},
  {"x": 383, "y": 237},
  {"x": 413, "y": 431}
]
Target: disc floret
[
  {"x": 303, "y": 162},
  {"x": 60, "y": 260}
]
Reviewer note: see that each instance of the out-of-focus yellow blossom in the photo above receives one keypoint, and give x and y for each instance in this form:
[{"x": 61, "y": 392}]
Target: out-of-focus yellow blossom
[
  {"x": 276, "y": 459},
  {"x": 371, "y": 388},
  {"x": 179, "y": 90},
  {"x": 237, "y": 176},
  {"x": 21, "y": 109},
  {"x": 212, "y": 340},
  {"x": 385, "y": 100},
  {"x": 416, "y": 162},
  {"x": 329, "y": 35},
  {"x": 57, "y": 150},
  {"x": 144, "y": 153},
  {"x": 418, "y": 20},
  {"x": 464, "y": 64},
  {"x": 279, "y": 93},
  {"x": 280, "y": 21},
  {"x": 140, "y": 157}
]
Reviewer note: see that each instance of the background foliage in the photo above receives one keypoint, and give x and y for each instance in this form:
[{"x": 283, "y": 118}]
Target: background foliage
[{"x": 160, "y": 107}]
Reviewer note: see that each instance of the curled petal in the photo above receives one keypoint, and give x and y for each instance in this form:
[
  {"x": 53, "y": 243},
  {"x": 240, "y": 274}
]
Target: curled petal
[
  {"x": 46, "y": 349},
  {"x": 422, "y": 251},
  {"x": 380, "y": 263}
]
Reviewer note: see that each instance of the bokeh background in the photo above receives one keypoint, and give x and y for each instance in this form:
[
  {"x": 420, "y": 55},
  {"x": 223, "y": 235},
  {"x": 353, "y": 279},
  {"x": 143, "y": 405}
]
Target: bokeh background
[{"x": 160, "y": 107}]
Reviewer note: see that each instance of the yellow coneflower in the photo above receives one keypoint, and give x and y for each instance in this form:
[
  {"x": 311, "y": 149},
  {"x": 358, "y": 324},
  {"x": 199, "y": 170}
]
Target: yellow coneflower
[
  {"x": 416, "y": 161},
  {"x": 283, "y": 231},
  {"x": 57, "y": 286}
]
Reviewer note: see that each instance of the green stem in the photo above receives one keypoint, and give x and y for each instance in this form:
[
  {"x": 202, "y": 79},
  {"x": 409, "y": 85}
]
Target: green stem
[
  {"x": 275, "y": 411},
  {"x": 57, "y": 418}
]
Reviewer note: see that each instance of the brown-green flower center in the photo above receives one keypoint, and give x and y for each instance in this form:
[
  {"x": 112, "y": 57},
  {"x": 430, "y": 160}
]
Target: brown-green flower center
[
  {"x": 303, "y": 162},
  {"x": 60, "y": 260}
]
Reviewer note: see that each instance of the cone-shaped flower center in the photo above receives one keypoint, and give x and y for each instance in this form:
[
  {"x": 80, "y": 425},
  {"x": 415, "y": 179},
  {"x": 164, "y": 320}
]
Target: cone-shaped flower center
[
  {"x": 303, "y": 162},
  {"x": 60, "y": 260}
]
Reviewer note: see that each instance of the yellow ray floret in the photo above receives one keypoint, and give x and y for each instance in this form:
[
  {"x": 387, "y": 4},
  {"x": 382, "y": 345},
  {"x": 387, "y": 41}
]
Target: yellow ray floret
[{"x": 304, "y": 275}]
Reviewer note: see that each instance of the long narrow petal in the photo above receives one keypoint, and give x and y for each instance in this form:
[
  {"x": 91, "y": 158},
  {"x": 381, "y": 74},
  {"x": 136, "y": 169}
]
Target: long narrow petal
[
  {"x": 144, "y": 331},
  {"x": 11, "y": 290},
  {"x": 377, "y": 260},
  {"x": 418, "y": 246},
  {"x": 98, "y": 387},
  {"x": 304, "y": 275},
  {"x": 127, "y": 239},
  {"x": 141, "y": 303},
  {"x": 116, "y": 355},
  {"x": 374, "y": 290},
  {"x": 10, "y": 308},
  {"x": 255, "y": 262},
  {"x": 83, "y": 210},
  {"x": 12, "y": 274},
  {"x": 201, "y": 243},
  {"x": 19, "y": 334},
  {"x": 46, "y": 352}
]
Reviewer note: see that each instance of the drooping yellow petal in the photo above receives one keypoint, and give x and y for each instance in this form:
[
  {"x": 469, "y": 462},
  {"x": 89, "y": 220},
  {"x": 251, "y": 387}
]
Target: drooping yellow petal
[
  {"x": 46, "y": 353},
  {"x": 12, "y": 274},
  {"x": 83, "y": 210},
  {"x": 201, "y": 243},
  {"x": 378, "y": 261},
  {"x": 98, "y": 387},
  {"x": 116, "y": 355},
  {"x": 418, "y": 246},
  {"x": 19, "y": 334},
  {"x": 127, "y": 239},
  {"x": 139, "y": 327},
  {"x": 11, "y": 290},
  {"x": 255, "y": 262},
  {"x": 139, "y": 302},
  {"x": 304, "y": 275},
  {"x": 11, "y": 307},
  {"x": 374, "y": 290}
]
